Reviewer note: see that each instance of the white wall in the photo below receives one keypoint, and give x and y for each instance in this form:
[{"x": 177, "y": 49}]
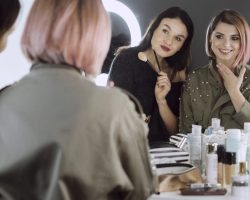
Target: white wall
[{"x": 13, "y": 65}]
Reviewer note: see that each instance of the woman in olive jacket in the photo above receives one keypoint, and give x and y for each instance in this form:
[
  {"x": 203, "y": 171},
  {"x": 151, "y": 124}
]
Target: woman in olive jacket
[{"x": 220, "y": 89}]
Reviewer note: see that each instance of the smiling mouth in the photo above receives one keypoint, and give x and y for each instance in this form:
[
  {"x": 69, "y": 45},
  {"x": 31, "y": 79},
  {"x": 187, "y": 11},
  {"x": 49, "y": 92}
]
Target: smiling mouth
[
  {"x": 225, "y": 51},
  {"x": 165, "y": 48}
]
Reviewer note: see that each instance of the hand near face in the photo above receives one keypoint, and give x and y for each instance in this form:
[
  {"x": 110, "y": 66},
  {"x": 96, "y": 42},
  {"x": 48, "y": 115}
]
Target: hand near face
[
  {"x": 231, "y": 82},
  {"x": 162, "y": 87}
]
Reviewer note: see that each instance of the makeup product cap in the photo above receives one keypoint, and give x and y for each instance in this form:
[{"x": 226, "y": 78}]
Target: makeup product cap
[
  {"x": 211, "y": 148},
  {"x": 230, "y": 158},
  {"x": 221, "y": 151}
]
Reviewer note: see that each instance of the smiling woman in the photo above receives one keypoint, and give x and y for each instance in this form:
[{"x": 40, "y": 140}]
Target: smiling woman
[{"x": 221, "y": 88}]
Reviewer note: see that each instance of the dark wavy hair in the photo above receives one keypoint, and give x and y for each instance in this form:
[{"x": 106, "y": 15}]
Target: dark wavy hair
[
  {"x": 182, "y": 58},
  {"x": 9, "y": 10}
]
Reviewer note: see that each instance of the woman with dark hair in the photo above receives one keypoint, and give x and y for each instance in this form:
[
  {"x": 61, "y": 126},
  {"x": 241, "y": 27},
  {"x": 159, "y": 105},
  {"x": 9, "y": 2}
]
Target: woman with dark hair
[
  {"x": 9, "y": 10},
  {"x": 221, "y": 88},
  {"x": 155, "y": 70}
]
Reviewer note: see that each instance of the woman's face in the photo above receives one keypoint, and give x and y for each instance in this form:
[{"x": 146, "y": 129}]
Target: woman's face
[
  {"x": 225, "y": 43},
  {"x": 169, "y": 37}
]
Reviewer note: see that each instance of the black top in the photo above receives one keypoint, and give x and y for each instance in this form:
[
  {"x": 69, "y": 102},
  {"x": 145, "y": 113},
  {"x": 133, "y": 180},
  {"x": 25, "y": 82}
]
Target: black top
[{"x": 139, "y": 78}]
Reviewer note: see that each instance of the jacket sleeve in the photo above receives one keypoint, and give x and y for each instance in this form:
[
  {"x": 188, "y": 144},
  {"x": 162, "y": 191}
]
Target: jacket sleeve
[
  {"x": 121, "y": 72},
  {"x": 244, "y": 114},
  {"x": 186, "y": 113},
  {"x": 134, "y": 155}
]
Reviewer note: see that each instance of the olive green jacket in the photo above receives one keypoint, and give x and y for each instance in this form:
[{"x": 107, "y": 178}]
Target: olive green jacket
[
  {"x": 204, "y": 97},
  {"x": 104, "y": 141}
]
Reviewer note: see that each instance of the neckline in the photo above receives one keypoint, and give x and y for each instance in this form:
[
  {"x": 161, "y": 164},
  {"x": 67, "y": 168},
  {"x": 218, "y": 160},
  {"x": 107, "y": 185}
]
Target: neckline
[{"x": 40, "y": 65}]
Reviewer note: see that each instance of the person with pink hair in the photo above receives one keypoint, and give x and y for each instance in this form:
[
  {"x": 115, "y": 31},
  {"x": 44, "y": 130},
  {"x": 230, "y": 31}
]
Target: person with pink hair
[{"x": 104, "y": 139}]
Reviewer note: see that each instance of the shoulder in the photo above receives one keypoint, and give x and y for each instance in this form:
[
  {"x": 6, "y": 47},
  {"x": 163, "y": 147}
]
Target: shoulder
[
  {"x": 197, "y": 75},
  {"x": 199, "y": 72},
  {"x": 115, "y": 100},
  {"x": 247, "y": 70},
  {"x": 247, "y": 75},
  {"x": 4, "y": 89},
  {"x": 124, "y": 62},
  {"x": 127, "y": 54}
]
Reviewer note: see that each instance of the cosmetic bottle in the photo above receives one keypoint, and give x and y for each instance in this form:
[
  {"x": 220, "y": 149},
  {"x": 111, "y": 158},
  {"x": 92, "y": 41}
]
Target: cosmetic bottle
[
  {"x": 229, "y": 167},
  {"x": 221, "y": 153},
  {"x": 215, "y": 126},
  {"x": 195, "y": 146},
  {"x": 243, "y": 144},
  {"x": 212, "y": 164},
  {"x": 240, "y": 183},
  {"x": 233, "y": 139},
  {"x": 247, "y": 132}
]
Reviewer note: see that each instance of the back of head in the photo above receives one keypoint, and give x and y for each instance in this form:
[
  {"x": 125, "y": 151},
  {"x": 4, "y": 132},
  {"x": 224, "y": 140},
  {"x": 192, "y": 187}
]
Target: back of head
[
  {"x": 74, "y": 32},
  {"x": 236, "y": 19},
  {"x": 9, "y": 10}
]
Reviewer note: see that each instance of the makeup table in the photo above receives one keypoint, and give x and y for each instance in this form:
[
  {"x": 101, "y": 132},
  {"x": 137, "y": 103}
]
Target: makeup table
[{"x": 177, "y": 196}]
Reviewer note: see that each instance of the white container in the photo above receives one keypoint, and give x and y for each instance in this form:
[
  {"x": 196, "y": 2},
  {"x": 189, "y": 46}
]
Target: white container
[
  {"x": 215, "y": 126},
  {"x": 233, "y": 138},
  {"x": 243, "y": 146},
  {"x": 240, "y": 187},
  {"x": 247, "y": 132},
  {"x": 211, "y": 164},
  {"x": 195, "y": 146}
]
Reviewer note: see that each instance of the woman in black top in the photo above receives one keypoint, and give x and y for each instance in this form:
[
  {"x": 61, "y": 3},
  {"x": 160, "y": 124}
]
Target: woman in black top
[
  {"x": 9, "y": 10},
  {"x": 155, "y": 70}
]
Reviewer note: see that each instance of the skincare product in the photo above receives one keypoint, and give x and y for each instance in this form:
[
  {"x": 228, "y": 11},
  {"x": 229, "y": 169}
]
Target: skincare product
[
  {"x": 212, "y": 164},
  {"x": 229, "y": 167},
  {"x": 215, "y": 126},
  {"x": 221, "y": 153},
  {"x": 195, "y": 146},
  {"x": 240, "y": 183},
  {"x": 247, "y": 132},
  {"x": 233, "y": 139}
]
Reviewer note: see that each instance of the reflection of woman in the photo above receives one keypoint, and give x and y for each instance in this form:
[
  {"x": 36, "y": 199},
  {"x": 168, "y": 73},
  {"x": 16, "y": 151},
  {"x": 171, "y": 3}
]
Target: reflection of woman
[
  {"x": 222, "y": 88},
  {"x": 9, "y": 10},
  {"x": 154, "y": 70},
  {"x": 104, "y": 142}
]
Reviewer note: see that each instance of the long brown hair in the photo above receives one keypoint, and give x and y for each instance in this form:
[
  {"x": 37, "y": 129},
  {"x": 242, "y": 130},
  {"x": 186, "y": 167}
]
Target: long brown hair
[{"x": 9, "y": 10}]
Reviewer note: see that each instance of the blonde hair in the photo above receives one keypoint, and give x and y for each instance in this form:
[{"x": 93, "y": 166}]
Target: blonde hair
[
  {"x": 75, "y": 32},
  {"x": 233, "y": 18}
]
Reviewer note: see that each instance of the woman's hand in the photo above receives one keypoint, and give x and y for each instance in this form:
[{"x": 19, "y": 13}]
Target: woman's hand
[
  {"x": 162, "y": 87},
  {"x": 232, "y": 83}
]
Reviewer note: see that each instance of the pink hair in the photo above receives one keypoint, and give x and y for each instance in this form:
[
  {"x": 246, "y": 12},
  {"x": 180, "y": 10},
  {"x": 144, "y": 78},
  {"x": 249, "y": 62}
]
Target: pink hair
[{"x": 68, "y": 31}]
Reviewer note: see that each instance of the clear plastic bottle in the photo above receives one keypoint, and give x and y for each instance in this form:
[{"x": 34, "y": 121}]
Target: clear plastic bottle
[
  {"x": 212, "y": 164},
  {"x": 195, "y": 146}
]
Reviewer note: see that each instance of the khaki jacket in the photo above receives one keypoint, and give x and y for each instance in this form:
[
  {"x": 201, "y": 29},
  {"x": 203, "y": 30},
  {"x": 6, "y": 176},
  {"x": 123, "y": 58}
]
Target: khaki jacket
[
  {"x": 103, "y": 139},
  {"x": 204, "y": 97}
]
